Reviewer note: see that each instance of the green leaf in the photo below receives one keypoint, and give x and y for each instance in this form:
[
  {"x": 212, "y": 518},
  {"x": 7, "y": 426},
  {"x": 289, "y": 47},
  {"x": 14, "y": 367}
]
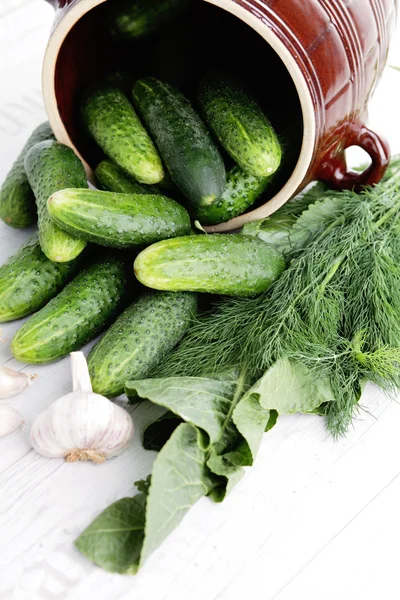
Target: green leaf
[
  {"x": 205, "y": 402},
  {"x": 316, "y": 219},
  {"x": 289, "y": 388},
  {"x": 159, "y": 432},
  {"x": 114, "y": 540},
  {"x": 179, "y": 478},
  {"x": 273, "y": 230}
]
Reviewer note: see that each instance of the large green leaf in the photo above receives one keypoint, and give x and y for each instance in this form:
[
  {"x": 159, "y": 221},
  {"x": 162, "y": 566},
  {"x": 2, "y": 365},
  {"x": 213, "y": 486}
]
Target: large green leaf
[
  {"x": 179, "y": 478},
  {"x": 289, "y": 388},
  {"x": 114, "y": 540}
]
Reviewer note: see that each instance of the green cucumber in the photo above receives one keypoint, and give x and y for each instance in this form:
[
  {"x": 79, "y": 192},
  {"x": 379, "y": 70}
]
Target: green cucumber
[
  {"x": 136, "y": 19},
  {"x": 50, "y": 167},
  {"x": 17, "y": 202},
  {"x": 115, "y": 126},
  {"x": 139, "y": 339},
  {"x": 111, "y": 178},
  {"x": 242, "y": 190},
  {"x": 29, "y": 279},
  {"x": 86, "y": 305},
  {"x": 240, "y": 125},
  {"x": 186, "y": 147},
  {"x": 118, "y": 220},
  {"x": 231, "y": 264}
]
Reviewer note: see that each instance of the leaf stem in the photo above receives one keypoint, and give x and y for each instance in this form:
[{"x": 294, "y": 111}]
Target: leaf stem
[{"x": 236, "y": 398}]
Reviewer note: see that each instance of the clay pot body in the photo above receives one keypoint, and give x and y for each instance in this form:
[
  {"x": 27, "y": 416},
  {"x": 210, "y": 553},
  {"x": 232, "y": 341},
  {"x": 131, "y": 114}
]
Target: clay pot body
[{"x": 332, "y": 51}]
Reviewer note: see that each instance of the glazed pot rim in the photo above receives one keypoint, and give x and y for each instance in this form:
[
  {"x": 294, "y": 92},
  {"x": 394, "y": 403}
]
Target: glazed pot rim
[{"x": 73, "y": 14}]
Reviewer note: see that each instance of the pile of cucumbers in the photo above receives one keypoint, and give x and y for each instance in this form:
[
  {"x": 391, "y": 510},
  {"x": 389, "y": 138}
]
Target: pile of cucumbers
[{"x": 164, "y": 167}]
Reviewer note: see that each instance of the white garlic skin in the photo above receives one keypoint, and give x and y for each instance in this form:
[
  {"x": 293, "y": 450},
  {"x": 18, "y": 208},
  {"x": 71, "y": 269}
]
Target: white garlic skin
[
  {"x": 13, "y": 382},
  {"x": 82, "y": 426},
  {"x": 10, "y": 420}
]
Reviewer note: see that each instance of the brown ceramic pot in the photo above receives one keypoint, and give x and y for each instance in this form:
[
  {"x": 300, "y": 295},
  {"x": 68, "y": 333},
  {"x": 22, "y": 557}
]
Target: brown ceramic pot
[{"x": 332, "y": 51}]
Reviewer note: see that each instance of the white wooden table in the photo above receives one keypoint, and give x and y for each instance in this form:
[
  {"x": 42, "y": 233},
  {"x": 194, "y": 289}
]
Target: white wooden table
[{"x": 313, "y": 519}]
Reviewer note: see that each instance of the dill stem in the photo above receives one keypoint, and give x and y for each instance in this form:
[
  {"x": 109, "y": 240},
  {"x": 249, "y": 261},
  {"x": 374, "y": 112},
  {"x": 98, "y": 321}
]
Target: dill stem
[
  {"x": 330, "y": 275},
  {"x": 387, "y": 215}
]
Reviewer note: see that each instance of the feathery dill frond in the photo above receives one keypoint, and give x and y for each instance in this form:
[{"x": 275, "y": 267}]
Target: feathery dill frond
[{"x": 336, "y": 309}]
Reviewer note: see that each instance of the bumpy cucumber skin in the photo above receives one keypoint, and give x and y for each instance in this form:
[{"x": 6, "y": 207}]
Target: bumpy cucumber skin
[
  {"x": 240, "y": 125},
  {"x": 187, "y": 149},
  {"x": 139, "y": 339},
  {"x": 137, "y": 19},
  {"x": 17, "y": 202},
  {"x": 118, "y": 220},
  {"x": 242, "y": 190},
  {"x": 50, "y": 167},
  {"x": 115, "y": 126},
  {"x": 233, "y": 265},
  {"x": 85, "y": 306},
  {"x": 29, "y": 279},
  {"x": 111, "y": 178}
]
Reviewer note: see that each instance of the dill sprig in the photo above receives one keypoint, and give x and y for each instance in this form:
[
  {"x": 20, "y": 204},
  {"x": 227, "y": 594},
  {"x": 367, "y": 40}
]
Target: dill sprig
[{"x": 336, "y": 309}]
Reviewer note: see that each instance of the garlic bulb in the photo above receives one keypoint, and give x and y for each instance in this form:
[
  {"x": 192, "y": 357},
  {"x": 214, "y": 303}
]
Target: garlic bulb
[
  {"x": 13, "y": 382},
  {"x": 10, "y": 420},
  {"x": 82, "y": 425}
]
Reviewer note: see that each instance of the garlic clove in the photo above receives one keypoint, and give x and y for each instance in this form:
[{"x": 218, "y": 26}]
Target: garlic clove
[
  {"x": 13, "y": 382},
  {"x": 10, "y": 420},
  {"x": 82, "y": 425}
]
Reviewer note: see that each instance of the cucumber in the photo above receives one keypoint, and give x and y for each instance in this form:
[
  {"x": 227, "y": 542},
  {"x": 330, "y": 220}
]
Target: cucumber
[
  {"x": 111, "y": 178},
  {"x": 139, "y": 339},
  {"x": 29, "y": 279},
  {"x": 50, "y": 167},
  {"x": 118, "y": 220},
  {"x": 17, "y": 202},
  {"x": 242, "y": 190},
  {"x": 115, "y": 126},
  {"x": 234, "y": 264},
  {"x": 85, "y": 306},
  {"x": 240, "y": 125},
  {"x": 186, "y": 147},
  {"x": 136, "y": 19}
]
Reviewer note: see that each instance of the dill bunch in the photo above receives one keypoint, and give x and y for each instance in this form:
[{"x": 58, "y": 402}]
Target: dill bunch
[{"x": 336, "y": 309}]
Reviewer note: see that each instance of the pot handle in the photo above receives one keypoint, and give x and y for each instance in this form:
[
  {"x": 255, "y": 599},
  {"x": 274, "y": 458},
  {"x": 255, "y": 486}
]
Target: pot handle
[{"x": 333, "y": 168}]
